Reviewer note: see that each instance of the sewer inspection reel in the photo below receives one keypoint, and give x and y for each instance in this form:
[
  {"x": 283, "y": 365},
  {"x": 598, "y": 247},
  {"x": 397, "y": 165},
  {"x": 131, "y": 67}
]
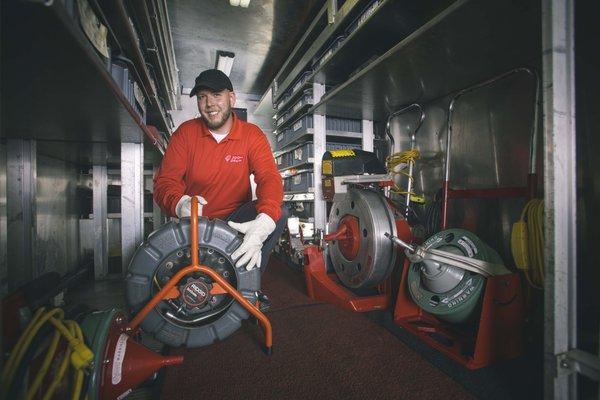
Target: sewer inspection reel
[{"x": 184, "y": 290}]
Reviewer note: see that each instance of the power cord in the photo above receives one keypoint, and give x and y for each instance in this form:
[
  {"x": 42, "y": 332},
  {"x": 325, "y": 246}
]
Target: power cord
[
  {"x": 527, "y": 243},
  {"x": 398, "y": 164}
]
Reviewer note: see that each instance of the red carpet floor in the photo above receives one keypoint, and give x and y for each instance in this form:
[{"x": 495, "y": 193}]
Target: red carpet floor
[{"x": 320, "y": 352}]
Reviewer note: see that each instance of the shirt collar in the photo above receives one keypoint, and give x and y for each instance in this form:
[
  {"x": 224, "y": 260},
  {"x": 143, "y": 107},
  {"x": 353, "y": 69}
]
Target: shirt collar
[{"x": 234, "y": 134}]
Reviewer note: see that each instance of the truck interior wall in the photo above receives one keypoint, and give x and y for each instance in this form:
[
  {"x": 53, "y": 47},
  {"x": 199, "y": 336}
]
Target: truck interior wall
[
  {"x": 3, "y": 223},
  {"x": 587, "y": 83},
  {"x": 490, "y": 148},
  {"x": 57, "y": 219}
]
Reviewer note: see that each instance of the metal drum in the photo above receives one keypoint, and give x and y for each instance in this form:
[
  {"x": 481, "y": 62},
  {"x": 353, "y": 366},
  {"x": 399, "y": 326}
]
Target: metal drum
[
  {"x": 450, "y": 293},
  {"x": 363, "y": 257}
]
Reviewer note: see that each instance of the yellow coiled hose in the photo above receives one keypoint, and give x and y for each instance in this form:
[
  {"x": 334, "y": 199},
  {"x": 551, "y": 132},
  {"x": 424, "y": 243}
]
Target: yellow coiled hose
[
  {"x": 79, "y": 355},
  {"x": 398, "y": 164},
  {"x": 527, "y": 242}
]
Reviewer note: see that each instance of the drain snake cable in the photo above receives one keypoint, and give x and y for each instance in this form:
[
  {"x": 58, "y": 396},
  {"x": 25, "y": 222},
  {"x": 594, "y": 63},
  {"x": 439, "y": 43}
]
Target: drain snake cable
[
  {"x": 79, "y": 355},
  {"x": 527, "y": 243}
]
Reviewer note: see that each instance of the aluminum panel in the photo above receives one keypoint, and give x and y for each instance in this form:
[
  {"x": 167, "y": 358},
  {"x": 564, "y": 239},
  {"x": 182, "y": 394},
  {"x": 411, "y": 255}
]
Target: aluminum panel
[
  {"x": 100, "y": 209},
  {"x": 490, "y": 148},
  {"x": 3, "y": 222},
  {"x": 20, "y": 206},
  {"x": 132, "y": 200},
  {"x": 57, "y": 238},
  {"x": 491, "y": 135}
]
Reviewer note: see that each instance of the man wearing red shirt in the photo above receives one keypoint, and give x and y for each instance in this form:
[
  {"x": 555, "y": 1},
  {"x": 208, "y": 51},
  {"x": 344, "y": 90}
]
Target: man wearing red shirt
[{"x": 212, "y": 158}]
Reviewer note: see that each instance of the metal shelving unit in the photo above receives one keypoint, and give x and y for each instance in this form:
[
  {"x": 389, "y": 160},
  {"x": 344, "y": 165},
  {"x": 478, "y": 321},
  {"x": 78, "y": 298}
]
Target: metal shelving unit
[
  {"x": 468, "y": 37},
  {"x": 387, "y": 20},
  {"x": 119, "y": 21},
  {"x": 66, "y": 100},
  {"x": 56, "y": 75}
]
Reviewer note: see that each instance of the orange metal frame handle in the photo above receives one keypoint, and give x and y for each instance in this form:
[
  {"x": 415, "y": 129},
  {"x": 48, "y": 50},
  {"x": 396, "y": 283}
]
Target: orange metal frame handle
[{"x": 195, "y": 267}]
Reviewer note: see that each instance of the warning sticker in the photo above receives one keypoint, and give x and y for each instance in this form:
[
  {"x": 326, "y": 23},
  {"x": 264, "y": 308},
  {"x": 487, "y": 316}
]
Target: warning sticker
[
  {"x": 342, "y": 153},
  {"x": 327, "y": 168},
  {"x": 117, "y": 367}
]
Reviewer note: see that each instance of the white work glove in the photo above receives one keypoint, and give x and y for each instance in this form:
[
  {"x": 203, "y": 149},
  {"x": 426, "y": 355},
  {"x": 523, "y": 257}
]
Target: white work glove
[
  {"x": 255, "y": 233},
  {"x": 184, "y": 206}
]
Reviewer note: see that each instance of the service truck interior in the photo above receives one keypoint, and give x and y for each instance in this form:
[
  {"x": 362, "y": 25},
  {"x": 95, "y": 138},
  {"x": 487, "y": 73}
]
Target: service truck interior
[{"x": 295, "y": 199}]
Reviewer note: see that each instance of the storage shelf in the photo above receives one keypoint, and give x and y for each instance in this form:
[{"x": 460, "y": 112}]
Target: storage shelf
[
  {"x": 307, "y": 165},
  {"x": 299, "y": 197},
  {"x": 294, "y": 116},
  {"x": 117, "y": 17},
  {"x": 470, "y": 39},
  {"x": 309, "y": 134},
  {"x": 57, "y": 89},
  {"x": 296, "y": 95},
  {"x": 287, "y": 75},
  {"x": 390, "y": 21}
]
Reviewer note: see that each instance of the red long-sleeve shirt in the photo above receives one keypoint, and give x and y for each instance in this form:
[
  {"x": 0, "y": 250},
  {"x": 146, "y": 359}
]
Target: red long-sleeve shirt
[{"x": 195, "y": 164}]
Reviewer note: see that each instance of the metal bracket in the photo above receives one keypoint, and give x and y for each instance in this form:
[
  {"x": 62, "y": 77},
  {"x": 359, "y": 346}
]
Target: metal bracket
[{"x": 578, "y": 361}]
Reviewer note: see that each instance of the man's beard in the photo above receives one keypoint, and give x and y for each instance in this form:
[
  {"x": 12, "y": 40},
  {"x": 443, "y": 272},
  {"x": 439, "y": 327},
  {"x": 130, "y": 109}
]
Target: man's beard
[{"x": 218, "y": 124}]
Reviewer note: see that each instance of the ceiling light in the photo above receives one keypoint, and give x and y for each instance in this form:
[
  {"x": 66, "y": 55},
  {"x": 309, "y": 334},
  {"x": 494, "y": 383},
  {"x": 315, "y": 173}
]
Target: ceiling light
[
  {"x": 225, "y": 61},
  {"x": 242, "y": 3}
]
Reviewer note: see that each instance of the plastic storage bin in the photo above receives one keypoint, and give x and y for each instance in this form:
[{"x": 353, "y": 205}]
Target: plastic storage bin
[
  {"x": 302, "y": 182},
  {"x": 286, "y": 96},
  {"x": 304, "y": 153},
  {"x": 369, "y": 10},
  {"x": 326, "y": 54},
  {"x": 282, "y": 117},
  {"x": 340, "y": 126},
  {"x": 303, "y": 209},
  {"x": 306, "y": 99},
  {"x": 300, "y": 81}
]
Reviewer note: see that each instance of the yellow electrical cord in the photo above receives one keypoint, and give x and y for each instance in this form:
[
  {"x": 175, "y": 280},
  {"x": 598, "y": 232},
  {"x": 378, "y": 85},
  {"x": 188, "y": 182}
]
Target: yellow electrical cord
[
  {"x": 80, "y": 356},
  {"x": 62, "y": 369},
  {"x": 403, "y": 160},
  {"x": 527, "y": 242},
  {"x": 37, "y": 382}
]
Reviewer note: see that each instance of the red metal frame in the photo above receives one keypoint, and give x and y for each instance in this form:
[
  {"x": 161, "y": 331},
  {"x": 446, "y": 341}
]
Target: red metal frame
[
  {"x": 499, "y": 335},
  {"x": 220, "y": 286},
  {"x": 485, "y": 193},
  {"x": 135, "y": 363},
  {"x": 326, "y": 287}
]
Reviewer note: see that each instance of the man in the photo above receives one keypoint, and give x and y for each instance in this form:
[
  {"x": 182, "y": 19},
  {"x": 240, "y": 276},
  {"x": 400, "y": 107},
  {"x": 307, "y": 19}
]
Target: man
[{"x": 212, "y": 158}]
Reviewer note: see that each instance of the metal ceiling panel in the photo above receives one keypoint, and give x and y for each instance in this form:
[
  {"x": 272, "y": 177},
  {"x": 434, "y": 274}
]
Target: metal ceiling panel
[{"x": 261, "y": 36}]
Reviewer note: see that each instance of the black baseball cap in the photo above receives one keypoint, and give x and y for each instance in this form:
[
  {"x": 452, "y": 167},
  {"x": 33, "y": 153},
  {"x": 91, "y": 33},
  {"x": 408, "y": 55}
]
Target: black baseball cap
[{"x": 212, "y": 79}]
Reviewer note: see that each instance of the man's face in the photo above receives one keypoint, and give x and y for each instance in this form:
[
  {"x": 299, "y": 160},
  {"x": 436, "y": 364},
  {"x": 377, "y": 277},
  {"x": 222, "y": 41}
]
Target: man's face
[{"x": 215, "y": 107}]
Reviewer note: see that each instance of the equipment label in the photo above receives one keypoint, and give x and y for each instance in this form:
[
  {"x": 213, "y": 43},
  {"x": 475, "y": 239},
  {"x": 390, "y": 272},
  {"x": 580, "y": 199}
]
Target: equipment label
[
  {"x": 121, "y": 397},
  {"x": 117, "y": 367},
  {"x": 342, "y": 153},
  {"x": 468, "y": 245}
]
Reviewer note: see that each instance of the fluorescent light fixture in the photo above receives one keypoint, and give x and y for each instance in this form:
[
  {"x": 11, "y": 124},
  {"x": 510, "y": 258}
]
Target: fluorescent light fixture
[
  {"x": 242, "y": 3},
  {"x": 225, "y": 61}
]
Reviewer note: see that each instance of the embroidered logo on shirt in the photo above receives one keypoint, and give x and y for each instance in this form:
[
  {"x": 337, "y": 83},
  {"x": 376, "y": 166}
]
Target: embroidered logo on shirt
[{"x": 234, "y": 159}]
